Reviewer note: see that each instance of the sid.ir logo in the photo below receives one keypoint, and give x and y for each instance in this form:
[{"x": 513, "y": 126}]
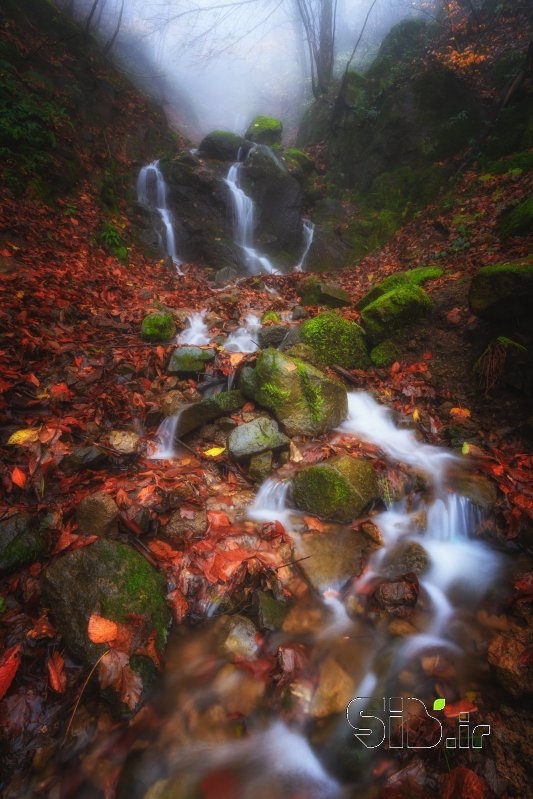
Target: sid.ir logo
[{"x": 373, "y": 721}]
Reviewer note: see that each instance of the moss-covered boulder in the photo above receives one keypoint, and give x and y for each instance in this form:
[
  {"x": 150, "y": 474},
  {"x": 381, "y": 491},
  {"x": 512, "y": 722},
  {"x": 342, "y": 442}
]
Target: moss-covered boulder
[
  {"x": 502, "y": 292},
  {"x": 305, "y": 163},
  {"x": 412, "y": 277},
  {"x": 270, "y": 317},
  {"x": 112, "y": 580},
  {"x": 255, "y": 437},
  {"x": 517, "y": 221},
  {"x": 208, "y": 410},
  {"x": 304, "y": 400},
  {"x": 265, "y": 130},
  {"x": 317, "y": 292},
  {"x": 222, "y": 145},
  {"x": 335, "y": 340},
  {"x": 22, "y": 541},
  {"x": 188, "y": 359},
  {"x": 339, "y": 489},
  {"x": 158, "y": 327},
  {"x": 385, "y": 354},
  {"x": 272, "y": 336},
  {"x": 395, "y": 311}
]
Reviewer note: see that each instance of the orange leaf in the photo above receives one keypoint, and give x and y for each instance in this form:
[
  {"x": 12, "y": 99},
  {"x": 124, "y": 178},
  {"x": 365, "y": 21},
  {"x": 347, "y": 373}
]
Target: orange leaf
[
  {"x": 460, "y": 413},
  {"x": 56, "y": 675},
  {"x": 8, "y": 668},
  {"x": 217, "y": 518},
  {"x": 19, "y": 477},
  {"x": 235, "y": 358},
  {"x": 462, "y": 706},
  {"x": 100, "y": 630}
]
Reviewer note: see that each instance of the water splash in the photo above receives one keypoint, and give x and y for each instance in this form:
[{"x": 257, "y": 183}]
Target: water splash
[
  {"x": 270, "y": 504},
  {"x": 244, "y": 339},
  {"x": 308, "y": 231},
  {"x": 166, "y": 438},
  {"x": 196, "y": 333},
  {"x": 152, "y": 194}
]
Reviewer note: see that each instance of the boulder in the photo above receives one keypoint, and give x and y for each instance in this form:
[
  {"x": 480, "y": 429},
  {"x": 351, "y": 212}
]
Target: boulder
[
  {"x": 331, "y": 558},
  {"x": 207, "y": 410},
  {"x": 335, "y": 340},
  {"x": 173, "y": 402},
  {"x": 222, "y": 145},
  {"x": 265, "y": 130},
  {"x": 395, "y": 311},
  {"x": 158, "y": 327},
  {"x": 22, "y": 541},
  {"x": 303, "y": 352},
  {"x": 517, "y": 220},
  {"x": 260, "y": 466},
  {"x": 504, "y": 656},
  {"x": 113, "y": 580},
  {"x": 92, "y": 458},
  {"x": 302, "y": 399},
  {"x": 334, "y": 691},
  {"x": 385, "y": 354},
  {"x": 502, "y": 292},
  {"x": 413, "y": 277},
  {"x": 338, "y": 489},
  {"x": 253, "y": 438},
  {"x": 396, "y": 598},
  {"x": 403, "y": 558},
  {"x": 239, "y": 637},
  {"x": 270, "y": 317},
  {"x": 97, "y": 515},
  {"x": 272, "y": 336},
  {"x": 316, "y": 292},
  {"x": 226, "y": 277},
  {"x": 125, "y": 442},
  {"x": 270, "y": 611},
  {"x": 188, "y": 359},
  {"x": 193, "y": 524}
]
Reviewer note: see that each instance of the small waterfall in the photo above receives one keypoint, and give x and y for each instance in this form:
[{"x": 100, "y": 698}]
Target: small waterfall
[
  {"x": 270, "y": 504},
  {"x": 196, "y": 333},
  {"x": 244, "y": 339},
  {"x": 244, "y": 222},
  {"x": 166, "y": 438},
  {"x": 152, "y": 194},
  {"x": 308, "y": 231}
]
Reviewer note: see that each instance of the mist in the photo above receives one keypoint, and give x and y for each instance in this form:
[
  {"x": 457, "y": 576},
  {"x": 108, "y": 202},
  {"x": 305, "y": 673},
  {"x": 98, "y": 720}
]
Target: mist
[{"x": 216, "y": 64}]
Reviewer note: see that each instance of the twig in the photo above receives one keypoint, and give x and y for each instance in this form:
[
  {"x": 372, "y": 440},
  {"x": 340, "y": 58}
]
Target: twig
[{"x": 78, "y": 700}]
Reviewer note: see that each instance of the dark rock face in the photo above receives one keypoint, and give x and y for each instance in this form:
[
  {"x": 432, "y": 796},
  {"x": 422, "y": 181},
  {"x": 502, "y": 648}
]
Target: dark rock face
[
  {"x": 503, "y": 292},
  {"x": 21, "y": 541},
  {"x": 221, "y": 145},
  {"x": 208, "y": 410}
]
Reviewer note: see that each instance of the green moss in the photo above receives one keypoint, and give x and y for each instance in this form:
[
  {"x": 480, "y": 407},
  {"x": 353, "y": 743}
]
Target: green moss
[
  {"x": 338, "y": 489},
  {"x": 270, "y": 316},
  {"x": 502, "y": 291},
  {"x": 265, "y": 130},
  {"x": 312, "y": 393},
  {"x": 158, "y": 327},
  {"x": 517, "y": 221},
  {"x": 112, "y": 240},
  {"x": 272, "y": 396},
  {"x": 413, "y": 277},
  {"x": 394, "y": 311},
  {"x": 304, "y": 161},
  {"x": 385, "y": 354},
  {"x": 517, "y": 164},
  {"x": 26, "y": 548},
  {"x": 335, "y": 340}
]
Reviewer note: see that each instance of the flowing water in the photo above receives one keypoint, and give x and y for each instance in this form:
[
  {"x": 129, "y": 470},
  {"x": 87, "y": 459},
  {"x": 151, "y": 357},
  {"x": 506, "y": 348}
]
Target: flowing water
[
  {"x": 308, "y": 229},
  {"x": 152, "y": 194},
  {"x": 196, "y": 333},
  {"x": 244, "y": 339}
]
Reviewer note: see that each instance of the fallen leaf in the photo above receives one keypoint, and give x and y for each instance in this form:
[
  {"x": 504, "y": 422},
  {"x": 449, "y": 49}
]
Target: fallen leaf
[
  {"x": 19, "y": 477},
  {"x": 214, "y": 452},
  {"x": 460, "y": 413},
  {"x": 21, "y": 438},
  {"x": 100, "y": 630},
  {"x": 9, "y": 664},
  {"x": 56, "y": 674}
]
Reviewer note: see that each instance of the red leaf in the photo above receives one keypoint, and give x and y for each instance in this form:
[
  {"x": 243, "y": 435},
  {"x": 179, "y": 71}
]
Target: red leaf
[
  {"x": 217, "y": 518},
  {"x": 115, "y": 672},
  {"x": 56, "y": 675},
  {"x": 462, "y": 706},
  {"x": 19, "y": 477},
  {"x": 462, "y": 783},
  {"x": 220, "y": 785},
  {"x": 178, "y": 605},
  {"x": 8, "y": 668},
  {"x": 100, "y": 630}
]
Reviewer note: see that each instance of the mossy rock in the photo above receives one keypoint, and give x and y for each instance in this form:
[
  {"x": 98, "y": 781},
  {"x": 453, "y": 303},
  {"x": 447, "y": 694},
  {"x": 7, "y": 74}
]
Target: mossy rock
[
  {"x": 413, "y": 277},
  {"x": 111, "y": 579},
  {"x": 270, "y": 317},
  {"x": 305, "y": 163},
  {"x": 303, "y": 352},
  {"x": 338, "y": 490},
  {"x": 158, "y": 327},
  {"x": 502, "y": 292},
  {"x": 517, "y": 221},
  {"x": 189, "y": 359},
  {"x": 385, "y": 354},
  {"x": 272, "y": 336},
  {"x": 265, "y": 130},
  {"x": 254, "y": 438},
  {"x": 208, "y": 410},
  {"x": 395, "y": 311},
  {"x": 302, "y": 399},
  {"x": 221, "y": 145},
  {"x": 336, "y": 341},
  {"x": 316, "y": 292},
  {"x": 22, "y": 541}
]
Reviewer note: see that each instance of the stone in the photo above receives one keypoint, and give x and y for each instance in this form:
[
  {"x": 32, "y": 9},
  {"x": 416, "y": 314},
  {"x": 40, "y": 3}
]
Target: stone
[
  {"x": 299, "y": 313},
  {"x": 334, "y": 691},
  {"x": 270, "y": 611},
  {"x": 502, "y": 292},
  {"x": 22, "y": 541},
  {"x": 316, "y": 292},
  {"x": 173, "y": 402},
  {"x": 517, "y": 220},
  {"x": 303, "y": 400},
  {"x": 208, "y": 410},
  {"x": 338, "y": 489},
  {"x": 225, "y": 277},
  {"x": 253, "y": 438},
  {"x": 188, "y": 359},
  {"x": 113, "y": 580},
  {"x": 97, "y": 514},
  {"x": 221, "y": 145},
  {"x": 92, "y": 458},
  {"x": 306, "y": 617},
  {"x": 504, "y": 657},
  {"x": 264, "y": 130},
  {"x": 395, "y": 311},
  {"x": 303, "y": 352},
  {"x": 413, "y": 277},
  {"x": 158, "y": 327},
  {"x": 239, "y": 637},
  {"x": 239, "y": 691},
  {"x": 335, "y": 340},
  {"x": 124, "y": 441},
  {"x": 260, "y": 467},
  {"x": 179, "y": 526},
  {"x": 385, "y": 354},
  {"x": 330, "y": 559},
  {"x": 403, "y": 558},
  {"x": 396, "y": 597},
  {"x": 272, "y": 335},
  {"x": 271, "y": 317}
]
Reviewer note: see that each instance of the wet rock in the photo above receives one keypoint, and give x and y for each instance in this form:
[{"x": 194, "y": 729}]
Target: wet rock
[
  {"x": 221, "y": 145},
  {"x": 307, "y": 617},
  {"x": 111, "y": 579},
  {"x": 270, "y": 611},
  {"x": 299, "y": 312},
  {"x": 331, "y": 559},
  {"x": 504, "y": 656},
  {"x": 264, "y": 130},
  {"x": 335, "y": 340},
  {"x": 393, "y": 312},
  {"x": 173, "y": 402},
  {"x": 334, "y": 692},
  {"x": 405, "y": 557},
  {"x": 225, "y": 277},
  {"x": 412, "y": 277},
  {"x": 158, "y": 327},
  {"x": 82, "y": 458},
  {"x": 240, "y": 692},
  {"x": 397, "y": 598},
  {"x": 22, "y": 541},
  {"x": 124, "y": 441},
  {"x": 193, "y": 524},
  {"x": 185, "y": 360},
  {"x": 477, "y": 488},
  {"x": 338, "y": 489},
  {"x": 254, "y": 438},
  {"x": 303, "y": 352},
  {"x": 385, "y": 354},
  {"x": 303, "y": 400},
  {"x": 239, "y": 638},
  {"x": 97, "y": 515},
  {"x": 401, "y": 628},
  {"x": 208, "y": 410},
  {"x": 316, "y": 292},
  {"x": 260, "y": 467},
  {"x": 502, "y": 292},
  {"x": 272, "y": 336}
]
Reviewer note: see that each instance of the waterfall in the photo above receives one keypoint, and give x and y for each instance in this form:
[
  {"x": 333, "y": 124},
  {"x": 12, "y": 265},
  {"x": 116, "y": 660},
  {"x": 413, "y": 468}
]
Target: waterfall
[
  {"x": 166, "y": 438},
  {"x": 244, "y": 339},
  {"x": 308, "y": 231},
  {"x": 152, "y": 194},
  {"x": 196, "y": 333},
  {"x": 270, "y": 504}
]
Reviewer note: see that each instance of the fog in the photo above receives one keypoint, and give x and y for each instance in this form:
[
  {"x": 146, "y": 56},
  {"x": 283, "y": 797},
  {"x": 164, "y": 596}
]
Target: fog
[{"x": 217, "y": 63}]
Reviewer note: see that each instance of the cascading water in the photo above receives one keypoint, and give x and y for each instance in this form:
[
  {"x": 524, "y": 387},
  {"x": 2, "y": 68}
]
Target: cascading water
[
  {"x": 196, "y": 333},
  {"x": 308, "y": 230},
  {"x": 152, "y": 194},
  {"x": 166, "y": 438},
  {"x": 244, "y": 339}
]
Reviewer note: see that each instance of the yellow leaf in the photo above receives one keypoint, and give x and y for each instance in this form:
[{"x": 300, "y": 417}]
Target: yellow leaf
[
  {"x": 212, "y": 453},
  {"x": 465, "y": 449},
  {"x": 235, "y": 358},
  {"x": 416, "y": 415},
  {"x": 24, "y": 437}
]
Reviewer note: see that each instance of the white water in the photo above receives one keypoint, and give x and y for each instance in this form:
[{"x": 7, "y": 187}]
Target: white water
[
  {"x": 270, "y": 503},
  {"x": 244, "y": 222},
  {"x": 196, "y": 333},
  {"x": 244, "y": 339},
  {"x": 308, "y": 231},
  {"x": 166, "y": 439},
  {"x": 152, "y": 194}
]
